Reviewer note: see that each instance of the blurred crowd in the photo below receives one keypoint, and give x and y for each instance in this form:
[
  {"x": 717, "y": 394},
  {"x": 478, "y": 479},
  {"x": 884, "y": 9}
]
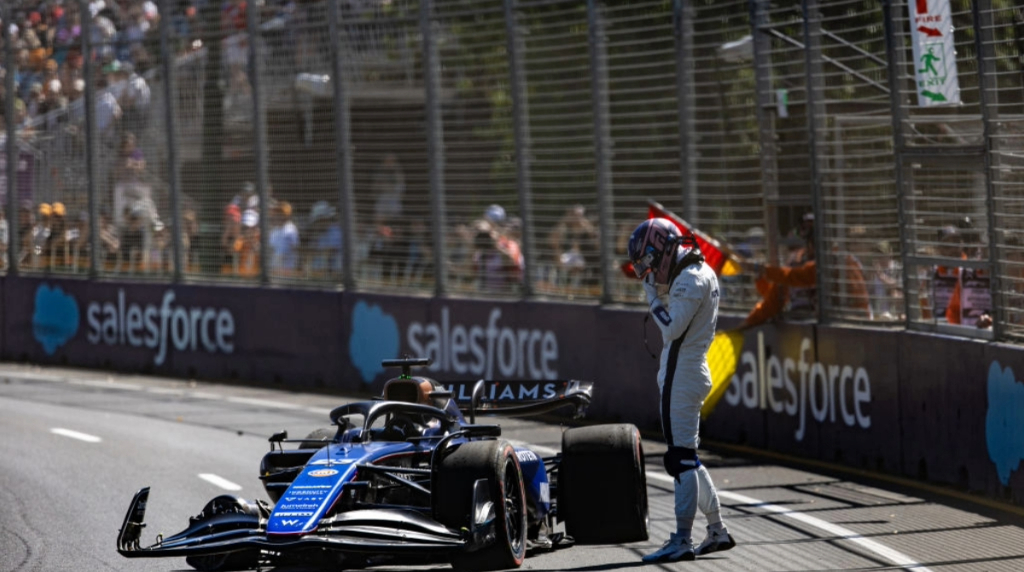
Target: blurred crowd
[{"x": 49, "y": 63}]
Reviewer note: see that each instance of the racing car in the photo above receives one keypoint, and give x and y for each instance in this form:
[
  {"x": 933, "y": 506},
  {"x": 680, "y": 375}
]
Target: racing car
[{"x": 411, "y": 476}]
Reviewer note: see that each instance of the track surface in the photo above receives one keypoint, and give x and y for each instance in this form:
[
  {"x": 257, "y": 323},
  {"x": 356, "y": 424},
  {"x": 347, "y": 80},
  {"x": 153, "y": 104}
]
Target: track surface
[{"x": 76, "y": 445}]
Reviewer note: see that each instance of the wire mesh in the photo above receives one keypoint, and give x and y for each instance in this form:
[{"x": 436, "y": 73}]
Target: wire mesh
[
  {"x": 861, "y": 226},
  {"x": 558, "y": 75},
  {"x": 946, "y": 186},
  {"x": 644, "y": 116},
  {"x": 304, "y": 242},
  {"x": 484, "y": 234},
  {"x": 1002, "y": 39},
  {"x": 787, "y": 57},
  {"x": 729, "y": 178},
  {"x": 391, "y": 172},
  {"x": 585, "y": 97},
  {"x": 214, "y": 107},
  {"x": 132, "y": 157}
]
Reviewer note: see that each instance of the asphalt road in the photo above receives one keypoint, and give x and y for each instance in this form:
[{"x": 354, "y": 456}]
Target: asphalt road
[{"x": 76, "y": 445}]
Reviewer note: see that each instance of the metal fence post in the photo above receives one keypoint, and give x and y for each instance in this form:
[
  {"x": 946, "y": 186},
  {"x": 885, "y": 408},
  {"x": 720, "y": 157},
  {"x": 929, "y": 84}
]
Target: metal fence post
[
  {"x": 342, "y": 148},
  {"x": 815, "y": 89},
  {"x": 170, "y": 117},
  {"x": 91, "y": 163},
  {"x": 602, "y": 145},
  {"x": 983, "y": 43},
  {"x": 211, "y": 199},
  {"x": 435, "y": 143},
  {"x": 521, "y": 134},
  {"x": 896, "y": 63},
  {"x": 259, "y": 127},
  {"x": 766, "y": 130},
  {"x": 12, "y": 148},
  {"x": 683, "y": 17}
]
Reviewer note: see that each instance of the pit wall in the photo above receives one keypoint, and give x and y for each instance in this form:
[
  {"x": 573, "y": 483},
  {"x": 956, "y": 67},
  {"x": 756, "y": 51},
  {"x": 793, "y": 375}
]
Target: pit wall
[{"x": 941, "y": 409}]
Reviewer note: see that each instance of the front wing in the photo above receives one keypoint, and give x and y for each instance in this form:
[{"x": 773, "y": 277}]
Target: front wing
[{"x": 361, "y": 531}]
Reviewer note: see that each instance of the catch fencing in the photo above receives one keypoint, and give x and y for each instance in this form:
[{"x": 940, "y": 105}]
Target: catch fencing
[{"x": 507, "y": 148}]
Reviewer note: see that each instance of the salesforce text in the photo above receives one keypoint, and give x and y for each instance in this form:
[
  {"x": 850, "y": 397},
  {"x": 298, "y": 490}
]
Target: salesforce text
[
  {"x": 820, "y": 385},
  {"x": 188, "y": 329},
  {"x": 461, "y": 349}
]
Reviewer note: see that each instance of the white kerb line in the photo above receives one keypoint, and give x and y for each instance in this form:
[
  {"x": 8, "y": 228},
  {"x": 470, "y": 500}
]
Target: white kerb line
[
  {"x": 75, "y": 435},
  {"x": 894, "y": 556},
  {"x": 220, "y": 482},
  {"x": 182, "y": 392}
]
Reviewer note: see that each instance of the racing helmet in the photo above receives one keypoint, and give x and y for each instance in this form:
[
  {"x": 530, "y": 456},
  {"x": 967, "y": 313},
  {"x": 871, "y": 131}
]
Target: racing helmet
[{"x": 653, "y": 246}]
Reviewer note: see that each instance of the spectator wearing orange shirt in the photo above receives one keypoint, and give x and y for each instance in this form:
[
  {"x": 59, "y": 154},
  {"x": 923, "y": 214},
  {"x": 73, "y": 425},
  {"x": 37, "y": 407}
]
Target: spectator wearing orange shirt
[
  {"x": 794, "y": 287},
  {"x": 970, "y": 302}
]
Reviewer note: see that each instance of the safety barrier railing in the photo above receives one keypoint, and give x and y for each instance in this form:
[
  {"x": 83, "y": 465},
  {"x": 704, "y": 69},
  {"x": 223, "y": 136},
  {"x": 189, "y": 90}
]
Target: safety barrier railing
[{"x": 507, "y": 148}]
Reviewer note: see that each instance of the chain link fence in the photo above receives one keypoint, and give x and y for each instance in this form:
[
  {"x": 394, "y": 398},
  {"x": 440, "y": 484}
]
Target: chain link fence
[{"x": 508, "y": 147}]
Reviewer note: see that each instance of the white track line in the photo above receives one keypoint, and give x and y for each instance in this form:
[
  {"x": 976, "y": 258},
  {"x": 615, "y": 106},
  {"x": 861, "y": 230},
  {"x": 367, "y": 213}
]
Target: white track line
[
  {"x": 75, "y": 435},
  {"x": 262, "y": 402},
  {"x": 220, "y": 482},
  {"x": 893, "y": 556},
  {"x": 178, "y": 392}
]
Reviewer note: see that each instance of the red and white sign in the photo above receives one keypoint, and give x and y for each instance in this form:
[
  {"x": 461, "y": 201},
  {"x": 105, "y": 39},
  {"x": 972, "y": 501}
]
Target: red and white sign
[{"x": 931, "y": 27}]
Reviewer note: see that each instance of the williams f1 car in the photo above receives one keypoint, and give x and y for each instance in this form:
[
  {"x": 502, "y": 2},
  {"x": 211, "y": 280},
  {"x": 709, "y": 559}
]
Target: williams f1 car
[{"x": 410, "y": 478}]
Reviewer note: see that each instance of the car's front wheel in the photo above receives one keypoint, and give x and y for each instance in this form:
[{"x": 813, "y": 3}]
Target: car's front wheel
[
  {"x": 453, "y": 492},
  {"x": 248, "y": 515},
  {"x": 224, "y": 562}
]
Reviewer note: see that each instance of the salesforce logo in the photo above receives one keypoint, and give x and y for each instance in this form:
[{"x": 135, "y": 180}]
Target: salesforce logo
[
  {"x": 482, "y": 350},
  {"x": 55, "y": 317},
  {"x": 832, "y": 393},
  {"x": 160, "y": 328},
  {"x": 374, "y": 338},
  {"x": 1004, "y": 434},
  {"x": 485, "y": 350}
]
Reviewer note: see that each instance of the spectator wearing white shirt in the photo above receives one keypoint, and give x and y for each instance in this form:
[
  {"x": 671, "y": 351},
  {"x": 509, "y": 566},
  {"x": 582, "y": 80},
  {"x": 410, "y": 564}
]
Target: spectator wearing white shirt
[
  {"x": 108, "y": 113},
  {"x": 135, "y": 96}
]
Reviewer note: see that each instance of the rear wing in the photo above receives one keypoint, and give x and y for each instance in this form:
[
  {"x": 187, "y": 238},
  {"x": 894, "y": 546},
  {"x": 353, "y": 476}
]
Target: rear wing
[
  {"x": 509, "y": 398},
  {"x": 520, "y": 398}
]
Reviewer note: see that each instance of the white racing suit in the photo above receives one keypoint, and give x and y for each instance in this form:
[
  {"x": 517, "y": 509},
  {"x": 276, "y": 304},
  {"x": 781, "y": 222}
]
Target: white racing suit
[{"x": 686, "y": 316}]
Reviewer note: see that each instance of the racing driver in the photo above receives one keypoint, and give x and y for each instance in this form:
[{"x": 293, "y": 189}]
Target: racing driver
[{"x": 686, "y": 317}]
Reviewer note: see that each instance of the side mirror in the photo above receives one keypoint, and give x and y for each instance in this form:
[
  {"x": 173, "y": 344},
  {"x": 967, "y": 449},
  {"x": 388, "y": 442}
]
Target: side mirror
[
  {"x": 482, "y": 430},
  {"x": 277, "y": 438}
]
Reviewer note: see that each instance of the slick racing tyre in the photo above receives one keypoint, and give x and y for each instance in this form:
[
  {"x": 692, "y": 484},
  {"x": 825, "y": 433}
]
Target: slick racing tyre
[
  {"x": 224, "y": 562},
  {"x": 240, "y": 560},
  {"x": 602, "y": 484},
  {"x": 318, "y": 438},
  {"x": 496, "y": 462}
]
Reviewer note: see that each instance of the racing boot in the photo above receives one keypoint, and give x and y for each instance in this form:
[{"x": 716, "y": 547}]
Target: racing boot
[
  {"x": 676, "y": 549},
  {"x": 717, "y": 540}
]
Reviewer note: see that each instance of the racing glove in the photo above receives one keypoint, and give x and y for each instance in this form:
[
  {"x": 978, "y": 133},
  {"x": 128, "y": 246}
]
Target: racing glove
[{"x": 650, "y": 288}]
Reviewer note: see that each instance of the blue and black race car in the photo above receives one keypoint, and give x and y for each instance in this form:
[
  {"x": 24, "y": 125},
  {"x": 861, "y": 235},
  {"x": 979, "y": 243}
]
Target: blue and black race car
[{"x": 409, "y": 478}]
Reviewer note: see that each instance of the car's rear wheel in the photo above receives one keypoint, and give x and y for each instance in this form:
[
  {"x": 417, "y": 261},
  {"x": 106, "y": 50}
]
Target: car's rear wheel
[
  {"x": 602, "y": 484},
  {"x": 496, "y": 463}
]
